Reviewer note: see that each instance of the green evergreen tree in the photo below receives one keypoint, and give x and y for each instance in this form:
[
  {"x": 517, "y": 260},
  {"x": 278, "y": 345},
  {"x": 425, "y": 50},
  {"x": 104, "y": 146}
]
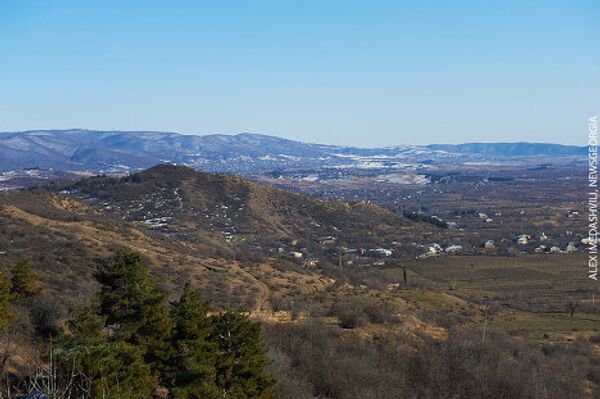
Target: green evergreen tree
[
  {"x": 241, "y": 357},
  {"x": 130, "y": 343},
  {"x": 131, "y": 301},
  {"x": 192, "y": 366},
  {"x": 103, "y": 365},
  {"x": 6, "y": 312},
  {"x": 24, "y": 280}
]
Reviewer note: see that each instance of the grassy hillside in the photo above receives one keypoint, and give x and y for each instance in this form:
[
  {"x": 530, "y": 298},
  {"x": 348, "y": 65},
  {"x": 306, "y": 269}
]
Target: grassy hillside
[{"x": 187, "y": 203}]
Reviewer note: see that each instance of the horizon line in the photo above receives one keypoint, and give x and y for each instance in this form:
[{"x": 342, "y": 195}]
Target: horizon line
[{"x": 128, "y": 131}]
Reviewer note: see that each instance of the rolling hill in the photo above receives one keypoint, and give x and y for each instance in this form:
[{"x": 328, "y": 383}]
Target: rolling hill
[
  {"x": 218, "y": 231},
  {"x": 180, "y": 201}
]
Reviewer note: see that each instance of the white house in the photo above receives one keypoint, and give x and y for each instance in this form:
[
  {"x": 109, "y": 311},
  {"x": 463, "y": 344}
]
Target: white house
[
  {"x": 452, "y": 249},
  {"x": 381, "y": 252}
]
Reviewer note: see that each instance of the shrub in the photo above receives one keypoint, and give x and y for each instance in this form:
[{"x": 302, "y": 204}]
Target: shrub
[
  {"x": 350, "y": 313},
  {"x": 390, "y": 365}
]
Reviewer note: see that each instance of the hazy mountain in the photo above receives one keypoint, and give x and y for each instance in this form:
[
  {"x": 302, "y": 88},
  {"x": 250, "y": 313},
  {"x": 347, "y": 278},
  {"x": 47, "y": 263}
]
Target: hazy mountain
[{"x": 120, "y": 150}]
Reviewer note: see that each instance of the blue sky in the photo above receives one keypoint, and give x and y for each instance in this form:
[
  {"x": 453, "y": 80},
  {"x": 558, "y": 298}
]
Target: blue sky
[{"x": 367, "y": 73}]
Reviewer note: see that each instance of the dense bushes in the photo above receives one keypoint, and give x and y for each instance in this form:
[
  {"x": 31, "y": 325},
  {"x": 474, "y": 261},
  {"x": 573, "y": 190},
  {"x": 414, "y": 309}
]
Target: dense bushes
[
  {"x": 356, "y": 312},
  {"x": 24, "y": 280},
  {"x": 335, "y": 363}
]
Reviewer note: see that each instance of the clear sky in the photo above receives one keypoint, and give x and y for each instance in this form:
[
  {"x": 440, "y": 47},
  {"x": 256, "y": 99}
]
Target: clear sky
[{"x": 367, "y": 73}]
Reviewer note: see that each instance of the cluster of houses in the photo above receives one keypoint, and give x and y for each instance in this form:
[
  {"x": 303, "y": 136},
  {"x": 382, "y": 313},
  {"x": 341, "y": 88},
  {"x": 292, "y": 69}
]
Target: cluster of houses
[
  {"x": 431, "y": 250},
  {"x": 525, "y": 239},
  {"x": 293, "y": 250},
  {"x": 545, "y": 249},
  {"x": 436, "y": 249},
  {"x": 483, "y": 217},
  {"x": 353, "y": 252}
]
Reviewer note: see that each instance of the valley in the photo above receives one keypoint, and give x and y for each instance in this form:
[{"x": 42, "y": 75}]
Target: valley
[
  {"x": 485, "y": 257},
  {"x": 299, "y": 200}
]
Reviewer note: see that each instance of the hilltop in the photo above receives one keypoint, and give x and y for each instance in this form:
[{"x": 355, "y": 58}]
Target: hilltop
[
  {"x": 65, "y": 238},
  {"x": 228, "y": 235},
  {"x": 178, "y": 200}
]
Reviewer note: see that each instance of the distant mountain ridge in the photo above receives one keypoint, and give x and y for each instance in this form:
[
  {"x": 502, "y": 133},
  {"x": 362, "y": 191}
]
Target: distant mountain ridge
[
  {"x": 511, "y": 149},
  {"x": 102, "y": 151}
]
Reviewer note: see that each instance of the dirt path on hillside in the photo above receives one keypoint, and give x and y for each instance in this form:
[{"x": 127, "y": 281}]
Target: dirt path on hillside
[{"x": 264, "y": 292}]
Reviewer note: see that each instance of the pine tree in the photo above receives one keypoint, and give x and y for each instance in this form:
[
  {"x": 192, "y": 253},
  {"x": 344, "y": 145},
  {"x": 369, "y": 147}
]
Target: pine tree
[
  {"x": 192, "y": 365},
  {"x": 102, "y": 365},
  {"x": 128, "y": 344},
  {"x": 241, "y": 357},
  {"x": 130, "y": 300},
  {"x": 6, "y": 312},
  {"x": 24, "y": 280}
]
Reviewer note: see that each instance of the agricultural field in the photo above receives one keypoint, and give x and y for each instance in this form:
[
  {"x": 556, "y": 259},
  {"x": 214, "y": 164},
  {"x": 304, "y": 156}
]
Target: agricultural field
[{"x": 530, "y": 294}]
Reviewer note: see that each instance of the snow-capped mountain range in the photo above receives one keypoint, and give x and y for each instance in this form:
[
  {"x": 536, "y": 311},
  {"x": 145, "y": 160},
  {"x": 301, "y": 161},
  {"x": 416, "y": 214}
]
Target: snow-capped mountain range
[{"x": 106, "y": 151}]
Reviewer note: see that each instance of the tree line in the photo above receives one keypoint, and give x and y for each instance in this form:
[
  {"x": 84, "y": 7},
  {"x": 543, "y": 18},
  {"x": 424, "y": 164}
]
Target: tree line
[{"x": 131, "y": 344}]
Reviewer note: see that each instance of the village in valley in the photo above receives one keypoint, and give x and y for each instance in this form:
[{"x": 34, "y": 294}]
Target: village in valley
[{"x": 468, "y": 213}]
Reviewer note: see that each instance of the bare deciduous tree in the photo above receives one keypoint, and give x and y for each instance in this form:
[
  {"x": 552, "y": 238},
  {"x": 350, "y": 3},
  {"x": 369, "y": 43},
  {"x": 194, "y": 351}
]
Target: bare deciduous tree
[{"x": 572, "y": 307}]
